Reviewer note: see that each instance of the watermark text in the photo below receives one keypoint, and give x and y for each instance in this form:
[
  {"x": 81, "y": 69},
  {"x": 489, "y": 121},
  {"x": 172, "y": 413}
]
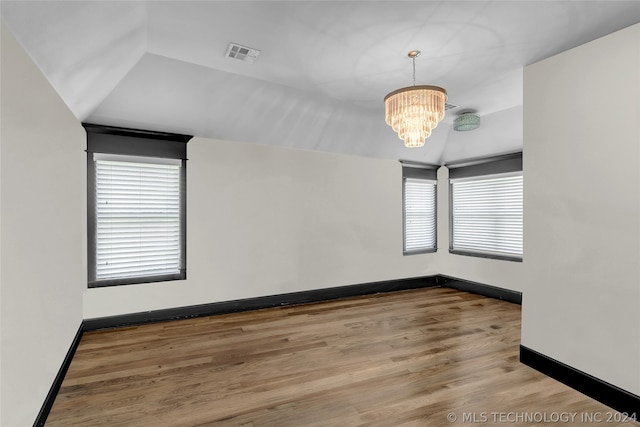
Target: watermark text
[{"x": 542, "y": 417}]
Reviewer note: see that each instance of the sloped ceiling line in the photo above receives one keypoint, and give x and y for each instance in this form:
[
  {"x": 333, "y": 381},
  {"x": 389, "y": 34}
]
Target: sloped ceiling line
[{"x": 323, "y": 71}]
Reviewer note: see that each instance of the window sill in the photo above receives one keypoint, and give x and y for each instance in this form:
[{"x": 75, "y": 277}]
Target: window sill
[
  {"x": 137, "y": 280},
  {"x": 420, "y": 251},
  {"x": 512, "y": 258}
]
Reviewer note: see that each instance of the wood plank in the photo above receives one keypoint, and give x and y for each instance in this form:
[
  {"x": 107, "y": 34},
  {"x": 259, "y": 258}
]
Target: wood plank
[{"x": 407, "y": 358}]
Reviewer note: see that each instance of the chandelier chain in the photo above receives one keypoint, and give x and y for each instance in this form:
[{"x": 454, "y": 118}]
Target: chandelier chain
[{"x": 414, "y": 70}]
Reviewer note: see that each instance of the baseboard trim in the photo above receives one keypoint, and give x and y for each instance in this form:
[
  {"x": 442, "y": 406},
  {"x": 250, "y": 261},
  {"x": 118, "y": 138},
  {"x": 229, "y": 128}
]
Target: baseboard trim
[
  {"x": 608, "y": 394},
  {"x": 57, "y": 382},
  {"x": 481, "y": 289},
  {"x": 257, "y": 303},
  {"x": 294, "y": 298}
]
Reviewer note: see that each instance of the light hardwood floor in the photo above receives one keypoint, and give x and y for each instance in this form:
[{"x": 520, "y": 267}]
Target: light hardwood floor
[{"x": 411, "y": 358}]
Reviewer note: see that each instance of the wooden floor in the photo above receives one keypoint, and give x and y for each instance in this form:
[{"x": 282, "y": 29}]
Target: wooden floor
[{"x": 430, "y": 357}]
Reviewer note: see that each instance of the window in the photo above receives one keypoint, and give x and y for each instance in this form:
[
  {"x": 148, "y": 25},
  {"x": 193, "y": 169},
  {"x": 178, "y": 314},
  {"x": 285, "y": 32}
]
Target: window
[
  {"x": 419, "y": 206},
  {"x": 486, "y": 209},
  {"x": 136, "y": 206}
]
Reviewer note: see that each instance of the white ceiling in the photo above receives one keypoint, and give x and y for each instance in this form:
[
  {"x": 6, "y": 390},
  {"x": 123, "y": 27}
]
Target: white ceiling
[{"x": 323, "y": 71}]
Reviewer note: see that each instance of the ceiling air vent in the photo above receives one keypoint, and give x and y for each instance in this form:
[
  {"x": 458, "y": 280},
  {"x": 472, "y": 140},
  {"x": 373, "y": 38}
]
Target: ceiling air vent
[
  {"x": 448, "y": 106},
  {"x": 242, "y": 53}
]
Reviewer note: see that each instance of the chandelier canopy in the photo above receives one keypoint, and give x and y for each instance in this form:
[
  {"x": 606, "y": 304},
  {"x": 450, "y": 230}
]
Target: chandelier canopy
[{"x": 414, "y": 111}]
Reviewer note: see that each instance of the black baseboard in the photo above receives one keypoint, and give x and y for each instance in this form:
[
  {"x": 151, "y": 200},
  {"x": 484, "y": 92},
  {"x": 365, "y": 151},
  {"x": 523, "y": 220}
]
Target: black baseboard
[
  {"x": 57, "y": 382},
  {"x": 294, "y": 298},
  {"x": 612, "y": 396},
  {"x": 481, "y": 289}
]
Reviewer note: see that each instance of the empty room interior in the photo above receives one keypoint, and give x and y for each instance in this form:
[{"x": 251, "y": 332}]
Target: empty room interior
[{"x": 334, "y": 213}]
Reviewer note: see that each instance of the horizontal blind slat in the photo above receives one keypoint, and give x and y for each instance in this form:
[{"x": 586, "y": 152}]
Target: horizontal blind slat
[
  {"x": 487, "y": 215},
  {"x": 137, "y": 219},
  {"x": 419, "y": 214}
]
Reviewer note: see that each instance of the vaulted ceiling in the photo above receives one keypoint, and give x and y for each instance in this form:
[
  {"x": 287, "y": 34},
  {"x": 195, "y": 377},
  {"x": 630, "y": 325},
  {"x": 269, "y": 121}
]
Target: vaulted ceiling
[{"x": 323, "y": 70}]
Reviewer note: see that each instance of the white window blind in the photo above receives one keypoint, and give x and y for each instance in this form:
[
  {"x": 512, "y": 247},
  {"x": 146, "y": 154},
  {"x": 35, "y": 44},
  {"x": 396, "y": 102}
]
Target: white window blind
[
  {"x": 137, "y": 216},
  {"x": 487, "y": 214},
  {"x": 419, "y": 215}
]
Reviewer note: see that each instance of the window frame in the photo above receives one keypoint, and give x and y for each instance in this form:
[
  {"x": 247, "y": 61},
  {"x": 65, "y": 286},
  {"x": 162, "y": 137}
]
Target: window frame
[
  {"x": 483, "y": 168},
  {"x": 422, "y": 172},
  {"x": 118, "y": 141}
]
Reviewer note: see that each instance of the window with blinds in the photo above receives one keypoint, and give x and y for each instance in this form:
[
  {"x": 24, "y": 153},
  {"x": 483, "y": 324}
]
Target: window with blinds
[
  {"x": 136, "y": 206},
  {"x": 486, "y": 213},
  {"x": 419, "y": 215},
  {"x": 137, "y": 216}
]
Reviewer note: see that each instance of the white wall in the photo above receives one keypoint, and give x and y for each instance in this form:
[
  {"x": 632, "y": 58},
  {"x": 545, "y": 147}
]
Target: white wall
[
  {"x": 582, "y": 208},
  {"x": 42, "y": 218},
  {"x": 264, "y": 220},
  {"x": 494, "y": 272},
  {"x": 1, "y": 380}
]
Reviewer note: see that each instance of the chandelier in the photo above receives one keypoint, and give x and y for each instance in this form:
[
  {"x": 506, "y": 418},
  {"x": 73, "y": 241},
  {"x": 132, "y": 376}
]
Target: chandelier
[{"x": 414, "y": 111}]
